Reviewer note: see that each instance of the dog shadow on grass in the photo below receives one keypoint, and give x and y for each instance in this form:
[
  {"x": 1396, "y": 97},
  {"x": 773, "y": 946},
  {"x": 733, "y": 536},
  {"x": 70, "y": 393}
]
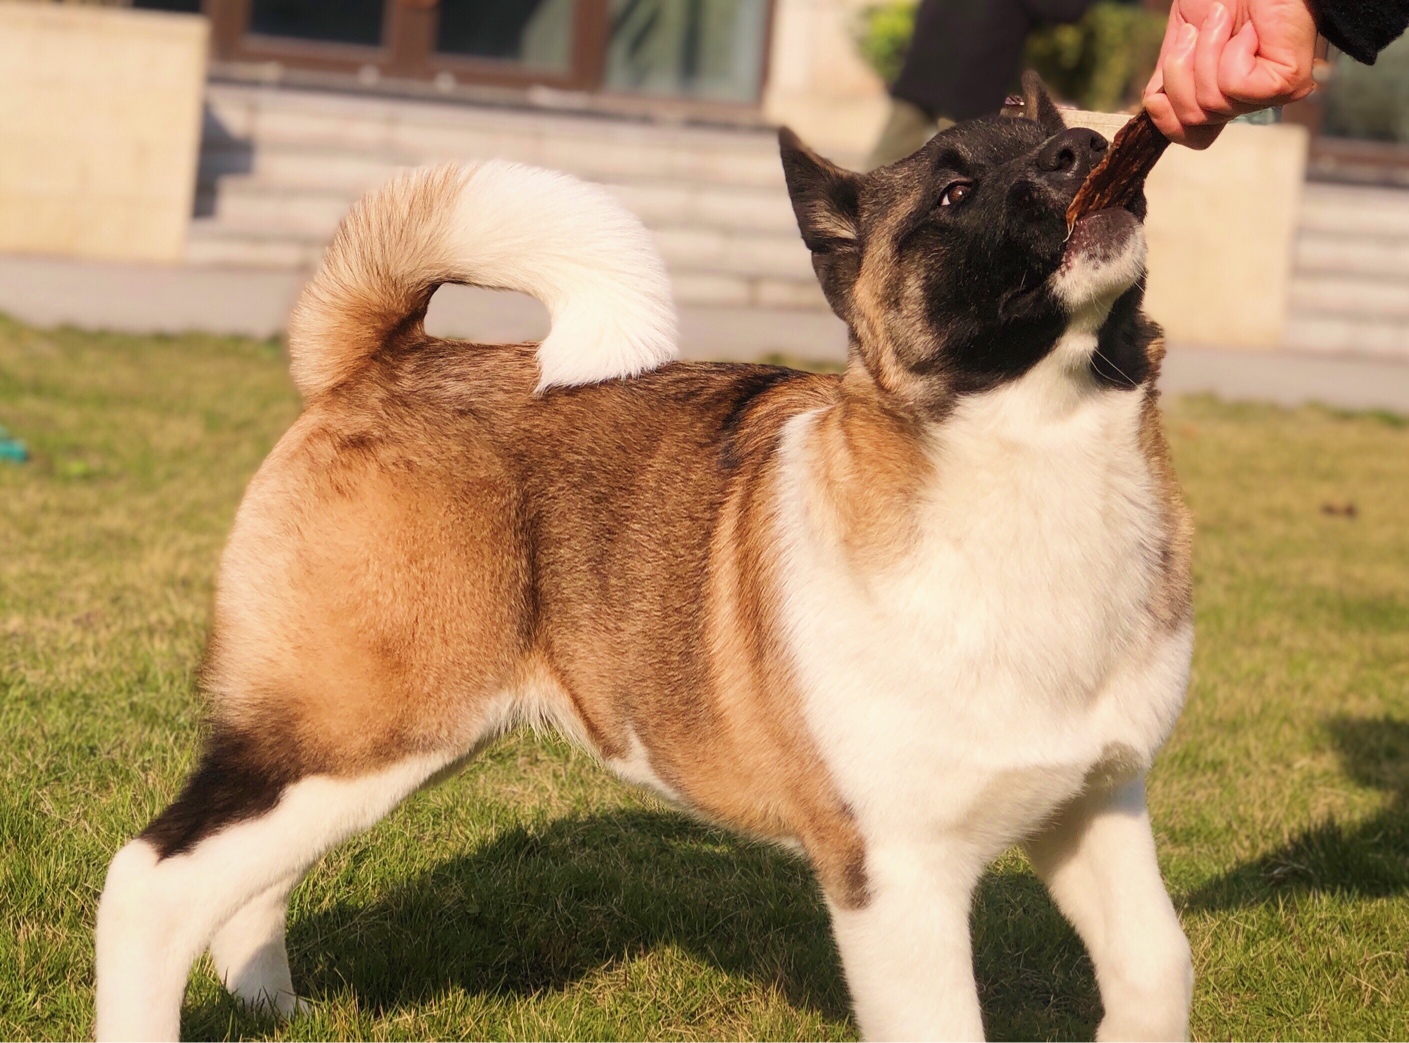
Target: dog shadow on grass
[
  {"x": 1369, "y": 858},
  {"x": 534, "y": 911}
]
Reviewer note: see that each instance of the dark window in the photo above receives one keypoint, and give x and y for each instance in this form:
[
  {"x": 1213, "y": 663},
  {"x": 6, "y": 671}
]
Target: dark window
[
  {"x": 709, "y": 49},
  {"x": 534, "y": 33},
  {"x": 181, "y": 6},
  {"x": 347, "y": 21}
]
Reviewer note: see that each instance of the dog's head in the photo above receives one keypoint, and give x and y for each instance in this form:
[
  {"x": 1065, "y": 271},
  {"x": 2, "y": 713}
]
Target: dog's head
[{"x": 955, "y": 267}]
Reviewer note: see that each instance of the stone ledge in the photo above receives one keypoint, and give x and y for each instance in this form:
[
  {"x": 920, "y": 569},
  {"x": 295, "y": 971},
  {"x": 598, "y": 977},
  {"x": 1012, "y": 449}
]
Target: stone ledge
[{"x": 100, "y": 115}]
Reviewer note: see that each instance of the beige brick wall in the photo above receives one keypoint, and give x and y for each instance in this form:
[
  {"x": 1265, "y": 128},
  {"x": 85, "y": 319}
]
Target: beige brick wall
[
  {"x": 100, "y": 118},
  {"x": 1222, "y": 230},
  {"x": 1222, "y": 223},
  {"x": 817, "y": 82}
]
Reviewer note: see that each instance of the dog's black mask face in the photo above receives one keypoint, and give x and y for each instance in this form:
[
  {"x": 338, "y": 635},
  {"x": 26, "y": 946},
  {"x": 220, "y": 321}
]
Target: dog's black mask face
[{"x": 955, "y": 267}]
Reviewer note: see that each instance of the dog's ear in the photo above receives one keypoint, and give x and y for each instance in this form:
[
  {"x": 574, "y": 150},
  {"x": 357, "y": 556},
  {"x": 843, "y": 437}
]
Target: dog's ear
[
  {"x": 1037, "y": 104},
  {"x": 827, "y": 203},
  {"x": 825, "y": 197}
]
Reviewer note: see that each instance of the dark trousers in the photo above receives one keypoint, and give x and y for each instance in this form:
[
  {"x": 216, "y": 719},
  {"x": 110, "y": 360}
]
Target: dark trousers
[{"x": 966, "y": 54}]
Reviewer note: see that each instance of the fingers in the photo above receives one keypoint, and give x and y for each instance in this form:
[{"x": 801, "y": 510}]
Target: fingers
[
  {"x": 1250, "y": 76},
  {"x": 1213, "y": 70},
  {"x": 1195, "y": 137},
  {"x": 1207, "y": 75},
  {"x": 1162, "y": 115},
  {"x": 1176, "y": 110},
  {"x": 1213, "y": 37},
  {"x": 1177, "y": 64}
]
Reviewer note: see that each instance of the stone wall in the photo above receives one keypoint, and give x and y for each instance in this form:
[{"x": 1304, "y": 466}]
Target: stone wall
[
  {"x": 1222, "y": 230},
  {"x": 1222, "y": 223},
  {"x": 817, "y": 82},
  {"x": 100, "y": 119}
]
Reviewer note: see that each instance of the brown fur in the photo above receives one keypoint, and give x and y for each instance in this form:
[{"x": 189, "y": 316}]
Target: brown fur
[
  {"x": 366, "y": 291},
  {"x": 1173, "y": 600},
  {"x": 430, "y": 535},
  {"x": 454, "y": 538},
  {"x": 433, "y": 537}
]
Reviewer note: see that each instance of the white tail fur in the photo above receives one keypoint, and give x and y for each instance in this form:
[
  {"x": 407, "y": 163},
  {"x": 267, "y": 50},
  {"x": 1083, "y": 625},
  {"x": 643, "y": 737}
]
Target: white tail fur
[{"x": 500, "y": 225}]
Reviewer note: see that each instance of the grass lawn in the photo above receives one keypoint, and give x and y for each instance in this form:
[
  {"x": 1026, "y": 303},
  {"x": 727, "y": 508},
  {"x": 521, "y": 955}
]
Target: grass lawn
[{"x": 535, "y": 897}]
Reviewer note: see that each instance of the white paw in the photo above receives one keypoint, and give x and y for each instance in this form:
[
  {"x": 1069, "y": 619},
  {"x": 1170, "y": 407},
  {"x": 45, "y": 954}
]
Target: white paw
[{"x": 280, "y": 1004}]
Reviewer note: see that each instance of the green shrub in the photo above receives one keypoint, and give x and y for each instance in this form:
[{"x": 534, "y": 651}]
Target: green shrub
[
  {"x": 883, "y": 33},
  {"x": 1103, "y": 61},
  {"x": 1371, "y": 101}
]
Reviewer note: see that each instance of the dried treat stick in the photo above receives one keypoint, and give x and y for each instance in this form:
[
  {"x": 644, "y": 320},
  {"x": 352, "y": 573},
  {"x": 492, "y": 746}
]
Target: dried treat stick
[{"x": 1119, "y": 177}]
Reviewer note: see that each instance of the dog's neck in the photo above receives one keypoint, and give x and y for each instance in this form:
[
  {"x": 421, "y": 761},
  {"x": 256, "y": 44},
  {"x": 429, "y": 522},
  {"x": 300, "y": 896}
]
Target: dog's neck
[{"x": 876, "y": 459}]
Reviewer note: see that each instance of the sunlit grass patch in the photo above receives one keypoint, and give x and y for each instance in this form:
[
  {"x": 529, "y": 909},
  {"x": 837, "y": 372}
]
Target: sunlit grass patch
[{"x": 533, "y": 896}]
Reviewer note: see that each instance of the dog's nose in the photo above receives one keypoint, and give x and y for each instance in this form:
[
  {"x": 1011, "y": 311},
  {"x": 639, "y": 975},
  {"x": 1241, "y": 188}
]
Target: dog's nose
[{"x": 1071, "y": 154}]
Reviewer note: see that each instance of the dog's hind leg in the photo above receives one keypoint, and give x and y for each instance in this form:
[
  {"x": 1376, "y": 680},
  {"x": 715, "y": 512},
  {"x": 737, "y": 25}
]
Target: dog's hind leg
[
  {"x": 223, "y": 855},
  {"x": 249, "y": 952}
]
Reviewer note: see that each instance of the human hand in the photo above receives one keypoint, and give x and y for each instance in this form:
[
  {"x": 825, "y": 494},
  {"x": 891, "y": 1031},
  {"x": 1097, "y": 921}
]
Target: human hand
[{"x": 1221, "y": 60}]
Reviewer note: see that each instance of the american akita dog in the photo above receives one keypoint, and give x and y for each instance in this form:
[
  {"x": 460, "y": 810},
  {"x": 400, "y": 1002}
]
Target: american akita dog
[{"x": 902, "y": 618}]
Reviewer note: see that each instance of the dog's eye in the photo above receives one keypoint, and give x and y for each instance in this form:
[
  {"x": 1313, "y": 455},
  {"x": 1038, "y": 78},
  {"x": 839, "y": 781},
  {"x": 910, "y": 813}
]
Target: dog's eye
[{"x": 956, "y": 193}]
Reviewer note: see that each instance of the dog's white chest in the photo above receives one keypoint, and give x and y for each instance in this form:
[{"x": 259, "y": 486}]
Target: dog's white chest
[{"x": 973, "y": 675}]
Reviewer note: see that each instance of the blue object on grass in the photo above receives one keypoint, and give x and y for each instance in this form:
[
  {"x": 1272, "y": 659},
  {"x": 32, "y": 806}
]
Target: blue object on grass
[{"x": 12, "y": 449}]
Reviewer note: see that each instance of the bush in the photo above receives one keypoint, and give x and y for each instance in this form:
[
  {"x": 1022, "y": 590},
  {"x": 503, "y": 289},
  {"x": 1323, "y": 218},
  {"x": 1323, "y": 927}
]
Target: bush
[
  {"x": 1371, "y": 101},
  {"x": 883, "y": 33},
  {"x": 1099, "y": 63},
  {"x": 1103, "y": 61}
]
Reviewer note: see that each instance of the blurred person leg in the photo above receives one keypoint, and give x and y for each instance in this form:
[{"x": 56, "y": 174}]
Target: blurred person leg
[
  {"x": 965, "y": 56},
  {"x": 906, "y": 130}
]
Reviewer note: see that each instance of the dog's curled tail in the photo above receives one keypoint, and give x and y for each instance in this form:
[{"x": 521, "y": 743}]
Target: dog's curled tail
[{"x": 495, "y": 224}]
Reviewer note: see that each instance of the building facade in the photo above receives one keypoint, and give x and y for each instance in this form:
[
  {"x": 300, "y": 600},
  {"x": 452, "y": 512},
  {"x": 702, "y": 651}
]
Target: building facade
[{"x": 722, "y": 60}]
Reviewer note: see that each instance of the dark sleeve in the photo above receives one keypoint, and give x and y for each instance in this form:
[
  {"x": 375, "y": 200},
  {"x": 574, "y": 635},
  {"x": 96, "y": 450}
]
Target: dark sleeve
[{"x": 1361, "y": 28}]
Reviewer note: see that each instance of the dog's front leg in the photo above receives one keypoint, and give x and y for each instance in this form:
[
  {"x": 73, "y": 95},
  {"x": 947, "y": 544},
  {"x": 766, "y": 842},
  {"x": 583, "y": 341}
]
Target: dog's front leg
[
  {"x": 906, "y": 947},
  {"x": 1098, "y": 860}
]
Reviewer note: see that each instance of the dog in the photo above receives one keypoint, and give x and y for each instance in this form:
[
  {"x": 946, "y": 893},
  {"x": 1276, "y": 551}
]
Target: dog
[{"x": 900, "y": 618}]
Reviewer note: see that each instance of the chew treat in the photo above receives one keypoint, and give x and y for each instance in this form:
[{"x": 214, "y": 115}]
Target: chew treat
[{"x": 1121, "y": 174}]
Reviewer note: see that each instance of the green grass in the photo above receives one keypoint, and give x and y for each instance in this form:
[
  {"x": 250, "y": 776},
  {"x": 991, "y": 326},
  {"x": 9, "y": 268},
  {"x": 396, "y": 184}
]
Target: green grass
[{"x": 535, "y": 897}]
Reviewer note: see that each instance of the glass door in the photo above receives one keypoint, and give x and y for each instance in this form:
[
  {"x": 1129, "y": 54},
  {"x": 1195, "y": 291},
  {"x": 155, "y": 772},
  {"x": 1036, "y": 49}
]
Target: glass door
[
  {"x": 331, "y": 35},
  {"x": 530, "y": 34},
  {"x": 360, "y": 23},
  {"x": 711, "y": 51},
  {"x": 514, "y": 42}
]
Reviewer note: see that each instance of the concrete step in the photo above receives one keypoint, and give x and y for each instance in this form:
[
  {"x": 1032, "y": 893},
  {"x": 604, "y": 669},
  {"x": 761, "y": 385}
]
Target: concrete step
[
  {"x": 279, "y": 169},
  {"x": 401, "y": 131},
  {"x": 1374, "y": 257},
  {"x": 299, "y": 238},
  {"x": 331, "y": 187},
  {"x": 752, "y": 276},
  {"x": 306, "y": 214},
  {"x": 1348, "y": 335},
  {"x": 738, "y": 208},
  {"x": 210, "y": 244},
  {"x": 691, "y": 226},
  {"x": 1356, "y": 210},
  {"x": 296, "y": 166},
  {"x": 1350, "y": 296}
]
